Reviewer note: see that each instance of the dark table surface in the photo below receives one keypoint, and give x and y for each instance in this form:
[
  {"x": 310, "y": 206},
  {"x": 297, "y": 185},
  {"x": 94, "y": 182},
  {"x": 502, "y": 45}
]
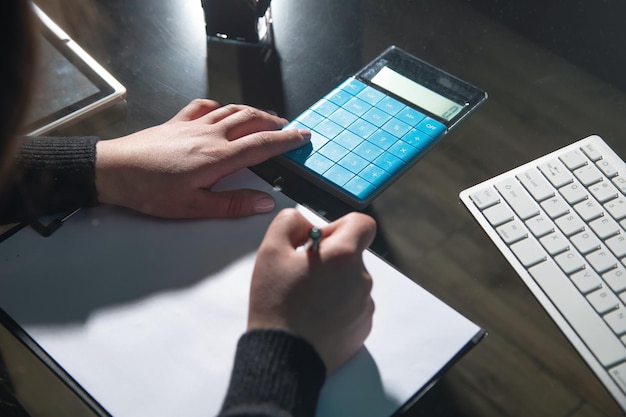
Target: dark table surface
[{"x": 553, "y": 74}]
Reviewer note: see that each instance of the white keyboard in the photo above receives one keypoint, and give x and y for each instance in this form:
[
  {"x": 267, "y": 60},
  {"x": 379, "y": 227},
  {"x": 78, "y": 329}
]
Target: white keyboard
[{"x": 560, "y": 221}]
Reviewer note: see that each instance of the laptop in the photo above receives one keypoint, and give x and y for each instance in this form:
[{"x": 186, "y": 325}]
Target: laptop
[{"x": 71, "y": 84}]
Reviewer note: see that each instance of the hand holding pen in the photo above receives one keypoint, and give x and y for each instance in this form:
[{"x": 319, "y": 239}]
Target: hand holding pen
[{"x": 323, "y": 298}]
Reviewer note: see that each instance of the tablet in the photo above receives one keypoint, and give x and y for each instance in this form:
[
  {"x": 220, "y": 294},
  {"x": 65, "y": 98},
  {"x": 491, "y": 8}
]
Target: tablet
[{"x": 71, "y": 84}]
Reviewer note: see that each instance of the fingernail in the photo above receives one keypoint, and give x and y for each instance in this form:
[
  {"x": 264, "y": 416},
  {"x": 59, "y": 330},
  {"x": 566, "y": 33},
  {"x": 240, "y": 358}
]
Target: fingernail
[
  {"x": 305, "y": 133},
  {"x": 264, "y": 205}
]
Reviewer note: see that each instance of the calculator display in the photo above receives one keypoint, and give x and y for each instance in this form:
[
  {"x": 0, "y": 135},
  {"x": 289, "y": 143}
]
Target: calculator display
[{"x": 416, "y": 93}]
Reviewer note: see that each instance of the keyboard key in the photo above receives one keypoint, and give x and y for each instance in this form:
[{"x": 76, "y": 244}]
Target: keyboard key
[
  {"x": 555, "y": 207},
  {"x": 586, "y": 280},
  {"x": 517, "y": 198},
  {"x": 592, "y": 152},
  {"x": 540, "y": 225},
  {"x": 498, "y": 214},
  {"x": 617, "y": 320},
  {"x": 529, "y": 252},
  {"x": 536, "y": 184},
  {"x": 588, "y": 175},
  {"x": 616, "y": 279},
  {"x": 617, "y": 208},
  {"x": 606, "y": 168},
  {"x": 590, "y": 327},
  {"x": 601, "y": 260},
  {"x": 589, "y": 210},
  {"x": 586, "y": 242},
  {"x": 570, "y": 261},
  {"x": 555, "y": 243},
  {"x": 620, "y": 183},
  {"x": 512, "y": 231},
  {"x": 570, "y": 224},
  {"x": 603, "y": 191},
  {"x": 486, "y": 197},
  {"x": 603, "y": 300},
  {"x": 556, "y": 173},
  {"x": 573, "y": 193},
  {"x": 573, "y": 159},
  {"x": 605, "y": 227},
  {"x": 617, "y": 244}
]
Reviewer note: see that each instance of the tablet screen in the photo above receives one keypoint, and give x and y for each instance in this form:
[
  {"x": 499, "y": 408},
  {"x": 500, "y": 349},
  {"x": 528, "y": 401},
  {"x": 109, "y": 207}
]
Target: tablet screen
[{"x": 70, "y": 84}]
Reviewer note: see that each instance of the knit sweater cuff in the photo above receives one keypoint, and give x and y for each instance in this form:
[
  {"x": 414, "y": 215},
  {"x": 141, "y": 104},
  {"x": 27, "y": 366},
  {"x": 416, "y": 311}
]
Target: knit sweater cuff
[
  {"x": 277, "y": 372},
  {"x": 53, "y": 174}
]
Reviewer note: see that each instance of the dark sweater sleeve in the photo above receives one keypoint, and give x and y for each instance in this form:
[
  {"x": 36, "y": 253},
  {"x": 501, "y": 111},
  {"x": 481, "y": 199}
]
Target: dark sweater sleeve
[
  {"x": 276, "y": 374},
  {"x": 51, "y": 175}
]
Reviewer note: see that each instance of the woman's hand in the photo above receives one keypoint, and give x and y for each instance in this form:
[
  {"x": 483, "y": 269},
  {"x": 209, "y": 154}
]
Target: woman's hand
[
  {"x": 168, "y": 170},
  {"x": 322, "y": 296}
]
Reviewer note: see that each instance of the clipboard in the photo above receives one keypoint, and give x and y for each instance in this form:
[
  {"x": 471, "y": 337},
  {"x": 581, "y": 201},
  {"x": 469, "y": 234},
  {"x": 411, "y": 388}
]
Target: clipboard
[{"x": 144, "y": 314}]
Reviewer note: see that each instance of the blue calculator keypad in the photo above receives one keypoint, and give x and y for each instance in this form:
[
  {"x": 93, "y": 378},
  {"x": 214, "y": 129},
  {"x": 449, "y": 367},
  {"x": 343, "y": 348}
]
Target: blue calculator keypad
[{"x": 361, "y": 137}]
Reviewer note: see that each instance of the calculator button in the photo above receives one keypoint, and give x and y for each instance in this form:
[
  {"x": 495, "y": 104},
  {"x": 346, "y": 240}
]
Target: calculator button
[
  {"x": 318, "y": 163},
  {"x": 324, "y": 107},
  {"x": 382, "y": 139},
  {"x": 317, "y": 140},
  {"x": 333, "y": 151},
  {"x": 403, "y": 151},
  {"x": 300, "y": 154},
  {"x": 410, "y": 116},
  {"x": 357, "y": 106},
  {"x": 338, "y": 174},
  {"x": 390, "y": 105},
  {"x": 431, "y": 126},
  {"x": 353, "y": 162},
  {"x": 368, "y": 151},
  {"x": 375, "y": 175},
  {"x": 348, "y": 140},
  {"x": 353, "y": 86},
  {"x": 310, "y": 119},
  {"x": 376, "y": 116},
  {"x": 328, "y": 128},
  {"x": 396, "y": 127},
  {"x": 362, "y": 128},
  {"x": 359, "y": 187},
  {"x": 389, "y": 163},
  {"x": 343, "y": 117},
  {"x": 339, "y": 97},
  {"x": 418, "y": 139},
  {"x": 371, "y": 95}
]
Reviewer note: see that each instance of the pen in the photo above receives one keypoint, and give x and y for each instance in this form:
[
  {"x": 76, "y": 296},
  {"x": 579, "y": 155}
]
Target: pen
[
  {"x": 315, "y": 236},
  {"x": 313, "y": 242}
]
